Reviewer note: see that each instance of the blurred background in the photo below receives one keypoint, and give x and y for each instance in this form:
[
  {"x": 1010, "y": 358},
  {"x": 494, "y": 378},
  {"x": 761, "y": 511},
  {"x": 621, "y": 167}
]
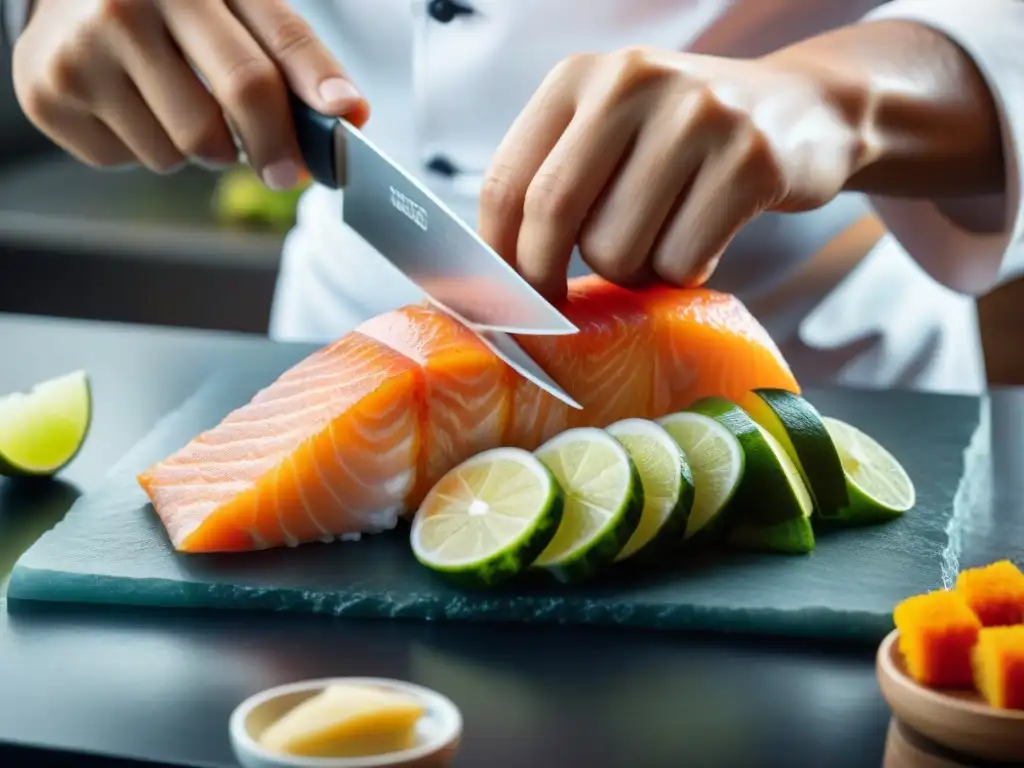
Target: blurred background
[{"x": 200, "y": 249}]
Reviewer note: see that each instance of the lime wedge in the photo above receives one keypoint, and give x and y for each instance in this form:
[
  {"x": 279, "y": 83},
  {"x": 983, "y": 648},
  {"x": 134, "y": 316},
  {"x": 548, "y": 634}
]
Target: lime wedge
[
  {"x": 797, "y": 425},
  {"x": 42, "y": 430},
  {"x": 772, "y": 505},
  {"x": 716, "y": 460},
  {"x": 604, "y": 501},
  {"x": 488, "y": 518},
  {"x": 879, "y": 487},
  {"x": 667, "y": 484}
]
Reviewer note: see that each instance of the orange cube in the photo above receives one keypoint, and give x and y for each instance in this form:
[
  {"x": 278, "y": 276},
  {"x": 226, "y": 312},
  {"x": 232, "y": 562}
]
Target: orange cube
[
  {"x": 937, "y": 632},
  {"x": 998, "y": 660},
  {"x": 995, "y": 593}
]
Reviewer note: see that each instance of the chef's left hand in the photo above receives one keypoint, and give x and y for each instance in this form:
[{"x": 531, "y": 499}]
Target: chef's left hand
[{"x": 651, "y": 161}]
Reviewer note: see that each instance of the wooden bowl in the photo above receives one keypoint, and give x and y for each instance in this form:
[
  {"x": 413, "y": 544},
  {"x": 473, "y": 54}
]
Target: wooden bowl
[{"x": 959, "y": 720}]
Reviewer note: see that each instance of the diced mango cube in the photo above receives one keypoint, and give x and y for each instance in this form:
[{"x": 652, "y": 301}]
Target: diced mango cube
[
  {"x": 995, "y": 593},
  {"x": 998, "y": 660},
  {"x": 937, "y": 632}
]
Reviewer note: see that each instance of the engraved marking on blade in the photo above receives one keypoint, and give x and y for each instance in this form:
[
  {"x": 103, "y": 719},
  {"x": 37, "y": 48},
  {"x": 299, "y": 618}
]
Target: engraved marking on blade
[{"x": 415, "y": 213}]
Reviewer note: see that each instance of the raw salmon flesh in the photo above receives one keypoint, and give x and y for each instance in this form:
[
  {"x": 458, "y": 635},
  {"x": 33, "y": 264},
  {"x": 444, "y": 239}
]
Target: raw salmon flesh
[{"x": 351, "y": 438}]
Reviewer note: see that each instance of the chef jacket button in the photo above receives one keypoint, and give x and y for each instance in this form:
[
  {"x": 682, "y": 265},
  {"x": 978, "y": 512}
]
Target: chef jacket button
[
  {"x": 442, "y": 165},
  {"x": 446, "y": 10}
]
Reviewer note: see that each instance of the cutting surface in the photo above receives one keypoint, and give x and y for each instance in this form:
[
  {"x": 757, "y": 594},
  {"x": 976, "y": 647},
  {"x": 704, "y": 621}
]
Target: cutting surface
[{"x": 112, "y": 549}]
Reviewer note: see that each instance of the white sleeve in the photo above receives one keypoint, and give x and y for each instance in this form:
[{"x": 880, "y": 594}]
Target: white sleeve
[{"x": 971, "y": 246}]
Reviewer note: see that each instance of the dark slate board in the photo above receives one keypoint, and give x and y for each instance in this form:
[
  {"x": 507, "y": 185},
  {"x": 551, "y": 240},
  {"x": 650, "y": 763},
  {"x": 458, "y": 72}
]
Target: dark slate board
[{"x": 111, "y": 548}]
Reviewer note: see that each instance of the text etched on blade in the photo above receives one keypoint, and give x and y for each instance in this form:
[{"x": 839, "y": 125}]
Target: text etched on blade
[{"x": 415, "y": 213}]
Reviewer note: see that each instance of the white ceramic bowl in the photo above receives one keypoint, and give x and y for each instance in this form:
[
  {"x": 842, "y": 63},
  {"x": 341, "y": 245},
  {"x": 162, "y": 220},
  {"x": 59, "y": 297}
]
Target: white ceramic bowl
[{"x": 437, "y": 733}]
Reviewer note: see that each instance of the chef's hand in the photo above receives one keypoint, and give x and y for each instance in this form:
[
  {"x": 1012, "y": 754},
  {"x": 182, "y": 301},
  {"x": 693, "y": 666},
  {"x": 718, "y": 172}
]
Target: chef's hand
[
  {"x": 112, "y": 81},
  {"x": 651, "y": 161}
]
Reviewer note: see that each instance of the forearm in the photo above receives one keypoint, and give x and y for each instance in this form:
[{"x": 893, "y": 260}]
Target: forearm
[{"x": 929, "y": 124}]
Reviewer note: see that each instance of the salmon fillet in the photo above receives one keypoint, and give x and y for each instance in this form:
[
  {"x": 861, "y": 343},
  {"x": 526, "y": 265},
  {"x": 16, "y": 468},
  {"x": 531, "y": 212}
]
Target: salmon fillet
[
  {"x": 328, "y": 450},
  {"x": 352, "y": 437},
  {"x": 708, "y": 343},
  {"x": 607, "y": 367},
  {"x": 467, "y": 389}
]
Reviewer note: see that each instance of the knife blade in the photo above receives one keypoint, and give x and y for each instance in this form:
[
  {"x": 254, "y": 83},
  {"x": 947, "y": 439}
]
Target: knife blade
[
  {"x": 419, "y": 235},
  {"x": 415, "y": 231}
]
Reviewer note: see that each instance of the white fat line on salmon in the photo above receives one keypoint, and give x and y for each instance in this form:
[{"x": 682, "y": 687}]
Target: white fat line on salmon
[
  {"x": 325, "y": 536},
  {"x": 366, "y": 517},
  {"x": 290, "y": 540},
  {"x": 258, "y": 541},
  {"x": 404, "y": 445}
]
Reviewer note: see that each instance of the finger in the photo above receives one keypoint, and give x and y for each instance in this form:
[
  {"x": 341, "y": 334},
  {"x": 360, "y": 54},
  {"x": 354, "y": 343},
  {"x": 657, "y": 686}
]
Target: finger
[
  {"x": 127, "y": 115},
  {"x": 522, "y": 151},
  {"x": 244, "y": 81},
  {"x": 732, "y": 187},
  {"x": 562, "y": 192},
  {"x": 189, "y": 114},
  {"x": 308, "y": 67},
  {"x": 80, "y": 134},
  {"x": 617, "y": 236}
]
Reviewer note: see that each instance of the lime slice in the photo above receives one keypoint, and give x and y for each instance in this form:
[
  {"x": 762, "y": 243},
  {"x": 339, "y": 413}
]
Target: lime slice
[
  {"x": 42, "y": 430},
  {"x": 772, "y": 505},
  {"x": 604, "y": 500},
  {"x": 488, "y": 518},
  {"x": 667, "y": 484},
  {"x": 879, "y": 487},
  {"x": 797, "y": 425},
  {"x": 716, "y": 460}
]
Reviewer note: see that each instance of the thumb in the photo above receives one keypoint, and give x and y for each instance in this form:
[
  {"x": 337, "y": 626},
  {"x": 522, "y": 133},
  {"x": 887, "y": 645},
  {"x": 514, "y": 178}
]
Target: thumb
[{"x": 304, "y": 61}]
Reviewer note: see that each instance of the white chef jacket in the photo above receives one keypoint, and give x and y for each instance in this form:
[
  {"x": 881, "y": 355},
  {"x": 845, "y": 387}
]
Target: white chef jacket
[{"x": 445, "y": 80}]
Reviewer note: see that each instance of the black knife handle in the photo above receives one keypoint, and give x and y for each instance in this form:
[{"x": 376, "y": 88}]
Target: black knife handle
[{"x": 315, "y": 132}]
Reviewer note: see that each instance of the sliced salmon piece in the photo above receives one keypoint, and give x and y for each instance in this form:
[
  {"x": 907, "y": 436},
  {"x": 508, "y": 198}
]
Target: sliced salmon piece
[
  {"x": 329, "y": 449},
  {"x": 467, "y": 388},
  {"x": 708, "y": 344},
  {"x": 352, "y": 437},
  {"x": 606, "y": 367}
]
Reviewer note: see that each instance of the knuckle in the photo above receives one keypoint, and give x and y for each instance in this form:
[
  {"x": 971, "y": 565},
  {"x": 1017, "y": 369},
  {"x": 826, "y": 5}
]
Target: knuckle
[
  {"x": 250, "y": 82},
  {"x": 705, "y": 106},
  {"x": 202, "y": 137},
  {"x": 498, "y": 193},
  {"x": 124, "y": 13},
  {"x": 632, "y": 68},
  {"x": 549, "y": 197},
  {"x": 65, "y": 74},
  {"x": 608, "y": 256},
  {"x": 290, "y": 35},
  {"x": 569, "y": 69}
]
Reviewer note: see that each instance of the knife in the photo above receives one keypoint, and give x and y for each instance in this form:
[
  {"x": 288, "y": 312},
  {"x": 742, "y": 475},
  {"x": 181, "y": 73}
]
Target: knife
[{"x": 418, "y": 234}]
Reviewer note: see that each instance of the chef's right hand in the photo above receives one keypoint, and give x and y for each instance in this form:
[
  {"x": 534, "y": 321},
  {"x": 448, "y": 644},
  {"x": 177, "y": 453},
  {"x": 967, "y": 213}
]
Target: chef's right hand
[{"x": 114, "y": 81}]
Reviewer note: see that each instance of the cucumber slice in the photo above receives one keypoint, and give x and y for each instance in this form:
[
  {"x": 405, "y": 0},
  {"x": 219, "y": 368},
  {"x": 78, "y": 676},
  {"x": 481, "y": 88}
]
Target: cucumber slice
[
  {"x": 798, "y": 426},
  {"x": 487, "y": 519},
  {"x": 772, "y": 505},
  {"x": 604, "y": 501},
  {"x": 667, "y": 485}
]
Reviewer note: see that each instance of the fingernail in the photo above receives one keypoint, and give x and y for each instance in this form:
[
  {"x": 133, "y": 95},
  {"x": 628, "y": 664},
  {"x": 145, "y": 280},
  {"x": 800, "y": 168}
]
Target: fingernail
[
  {"x": 339, "y": 92},
  {"x": 284, "y": 174}
]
